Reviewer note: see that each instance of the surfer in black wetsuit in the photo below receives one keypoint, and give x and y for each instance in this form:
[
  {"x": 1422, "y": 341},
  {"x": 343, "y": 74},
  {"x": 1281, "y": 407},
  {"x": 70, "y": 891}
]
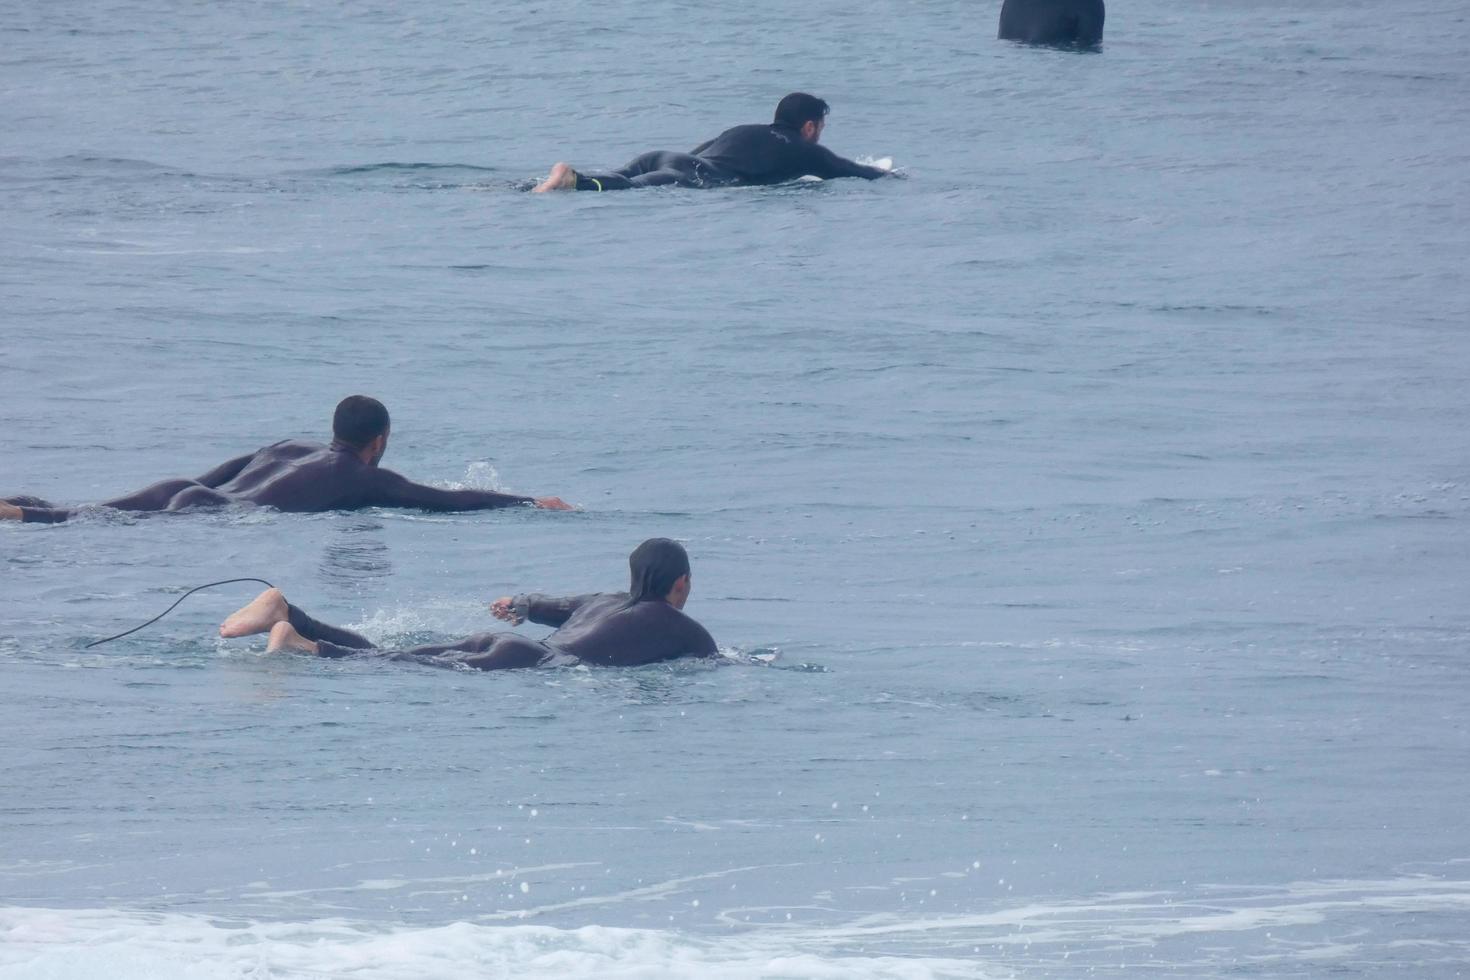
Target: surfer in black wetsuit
[
  {"x": 622, "y": 629},
  {"x": 299, "y": 476},
  {"x": 786, "y": 149}
]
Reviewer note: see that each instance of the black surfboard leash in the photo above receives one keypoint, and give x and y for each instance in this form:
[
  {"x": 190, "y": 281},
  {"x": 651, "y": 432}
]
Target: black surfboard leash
[{"x": 197, "y": 588}]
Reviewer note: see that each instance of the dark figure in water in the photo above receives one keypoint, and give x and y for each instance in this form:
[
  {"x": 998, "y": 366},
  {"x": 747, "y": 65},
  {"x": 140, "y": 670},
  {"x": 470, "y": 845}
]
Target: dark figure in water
[
  {"x": 622, "y": 629},
  {"x": 786, "y": 149},
  {"x": 299, "y": 476},
  {"x": 1060, "y": 23}
]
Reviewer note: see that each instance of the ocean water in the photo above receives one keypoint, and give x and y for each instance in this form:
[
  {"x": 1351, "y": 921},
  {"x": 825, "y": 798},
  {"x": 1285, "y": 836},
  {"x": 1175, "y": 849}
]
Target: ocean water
[{"x": 1084, "y": 518}]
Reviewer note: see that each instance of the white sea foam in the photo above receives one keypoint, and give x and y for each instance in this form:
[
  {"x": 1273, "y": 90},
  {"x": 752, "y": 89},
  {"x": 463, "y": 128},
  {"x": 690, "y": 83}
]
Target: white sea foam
[
  {"x": 1201, "y": 931},
  {"x": 1173, "y": 934},
  {"x": 47, "y": 944}
]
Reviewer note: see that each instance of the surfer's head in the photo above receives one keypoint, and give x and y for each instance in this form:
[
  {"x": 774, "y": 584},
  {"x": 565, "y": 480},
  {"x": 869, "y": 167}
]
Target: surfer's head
[
  {"x": 660, "y": 570},
  {"x": 361, "y": 424},
  {"x": 804, "y": 113}
]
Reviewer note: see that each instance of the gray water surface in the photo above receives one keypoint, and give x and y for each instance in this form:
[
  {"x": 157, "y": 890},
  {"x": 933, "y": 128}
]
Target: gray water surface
[{"x": 1085, "y": 518}]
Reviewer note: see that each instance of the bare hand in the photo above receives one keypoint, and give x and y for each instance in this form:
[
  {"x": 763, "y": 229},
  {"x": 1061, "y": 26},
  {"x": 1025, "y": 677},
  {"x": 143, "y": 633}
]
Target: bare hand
[
  {"x": 504, "y": 608},
  {"x": 553, "y": 503},
  {"x": 10, "y": 512}
]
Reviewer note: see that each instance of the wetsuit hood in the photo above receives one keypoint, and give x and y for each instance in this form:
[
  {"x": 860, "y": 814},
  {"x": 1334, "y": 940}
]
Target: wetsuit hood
[{"x": 655, "y": 565}]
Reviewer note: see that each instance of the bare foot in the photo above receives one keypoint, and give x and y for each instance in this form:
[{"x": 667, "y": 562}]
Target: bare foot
[
  {"x": 553, "y": 503},
  {"x": 265, "y": 611},
  {"x": 562, "y": 178},
  {"x": 9, "y": 512},
  {"x": 285, "y": 637}
]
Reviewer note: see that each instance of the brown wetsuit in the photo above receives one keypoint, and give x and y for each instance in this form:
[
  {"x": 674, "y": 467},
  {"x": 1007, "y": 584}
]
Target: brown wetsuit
[
  {"x": 293, "y": 475},
  {"x": 602, "y": 629}
]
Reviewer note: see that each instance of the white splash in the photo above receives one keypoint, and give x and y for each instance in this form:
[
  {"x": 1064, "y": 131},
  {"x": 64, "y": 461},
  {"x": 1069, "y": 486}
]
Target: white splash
[{"x": 479, "y": 476}]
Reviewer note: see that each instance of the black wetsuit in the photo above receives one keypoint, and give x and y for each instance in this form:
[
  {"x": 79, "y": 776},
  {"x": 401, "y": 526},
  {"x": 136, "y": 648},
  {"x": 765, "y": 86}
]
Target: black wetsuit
[
  {"x": 600, "y": 629},
  {"x": 294, "y": 476},
  {"x": 756, "y": 154}
]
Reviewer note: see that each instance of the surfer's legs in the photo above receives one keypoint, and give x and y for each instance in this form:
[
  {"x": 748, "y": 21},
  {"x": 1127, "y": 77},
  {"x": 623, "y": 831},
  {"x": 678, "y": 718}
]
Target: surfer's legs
[
  {"x": 483, "y": 651},
  {"x": 285, "y": 637},
  {"x": 298, "y": 631},
  {"x": 315, "y": 630},
  {"x": 497, "y": 651},
  {"x": 258, "y": 615},
  {"x": 292, "y": 629},
  {"x": 507, "y": 652},
  {"x": 24, "y": 501},
  {"x": 270, "y": 609},
  {"x": 269, "y": 612},
  {"x": 561, "y": 178},
  {"x": 198, "y": 496},
  {"x": 662, "y": 167},
  {"x": 656, "y": 168},
  {"x": 33, "y": 509},
  {"x": 564, "y": 178},
  {"x": 603, "y": 182},
  {"x": 156, "y": 496},
  {"x": 174, "y": 494}
]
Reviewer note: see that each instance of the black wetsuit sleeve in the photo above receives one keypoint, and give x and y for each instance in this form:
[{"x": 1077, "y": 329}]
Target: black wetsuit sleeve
[
  {"x": 389, "y": 489},
  {"x": 827, "y": 165},
  {"x": 554, "y": 610},
  {"x": 225, "y": 472}
]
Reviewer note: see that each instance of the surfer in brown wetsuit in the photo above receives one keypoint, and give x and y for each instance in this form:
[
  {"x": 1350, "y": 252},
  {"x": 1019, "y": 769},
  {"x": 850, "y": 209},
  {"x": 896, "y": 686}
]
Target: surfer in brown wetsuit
[
  {"x": 757, "y": 154},
  {"x": 644, "y": 625},
  {"x": 299, "y": 476}
]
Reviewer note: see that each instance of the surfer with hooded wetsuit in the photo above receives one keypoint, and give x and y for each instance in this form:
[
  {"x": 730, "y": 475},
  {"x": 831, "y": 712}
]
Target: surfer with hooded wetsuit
[
  {"x": 644, "y": 625},
  {"x": 299, "y": 476},
  {"x": 786, "y": 149}
]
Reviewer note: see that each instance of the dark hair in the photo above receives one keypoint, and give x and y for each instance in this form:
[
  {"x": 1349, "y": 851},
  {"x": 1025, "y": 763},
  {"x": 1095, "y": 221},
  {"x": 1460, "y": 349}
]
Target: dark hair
[
  {"x": 799, "y": 108},
  {"x": 359, "y": 420},
  {"x": 656, "y": 565}
]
